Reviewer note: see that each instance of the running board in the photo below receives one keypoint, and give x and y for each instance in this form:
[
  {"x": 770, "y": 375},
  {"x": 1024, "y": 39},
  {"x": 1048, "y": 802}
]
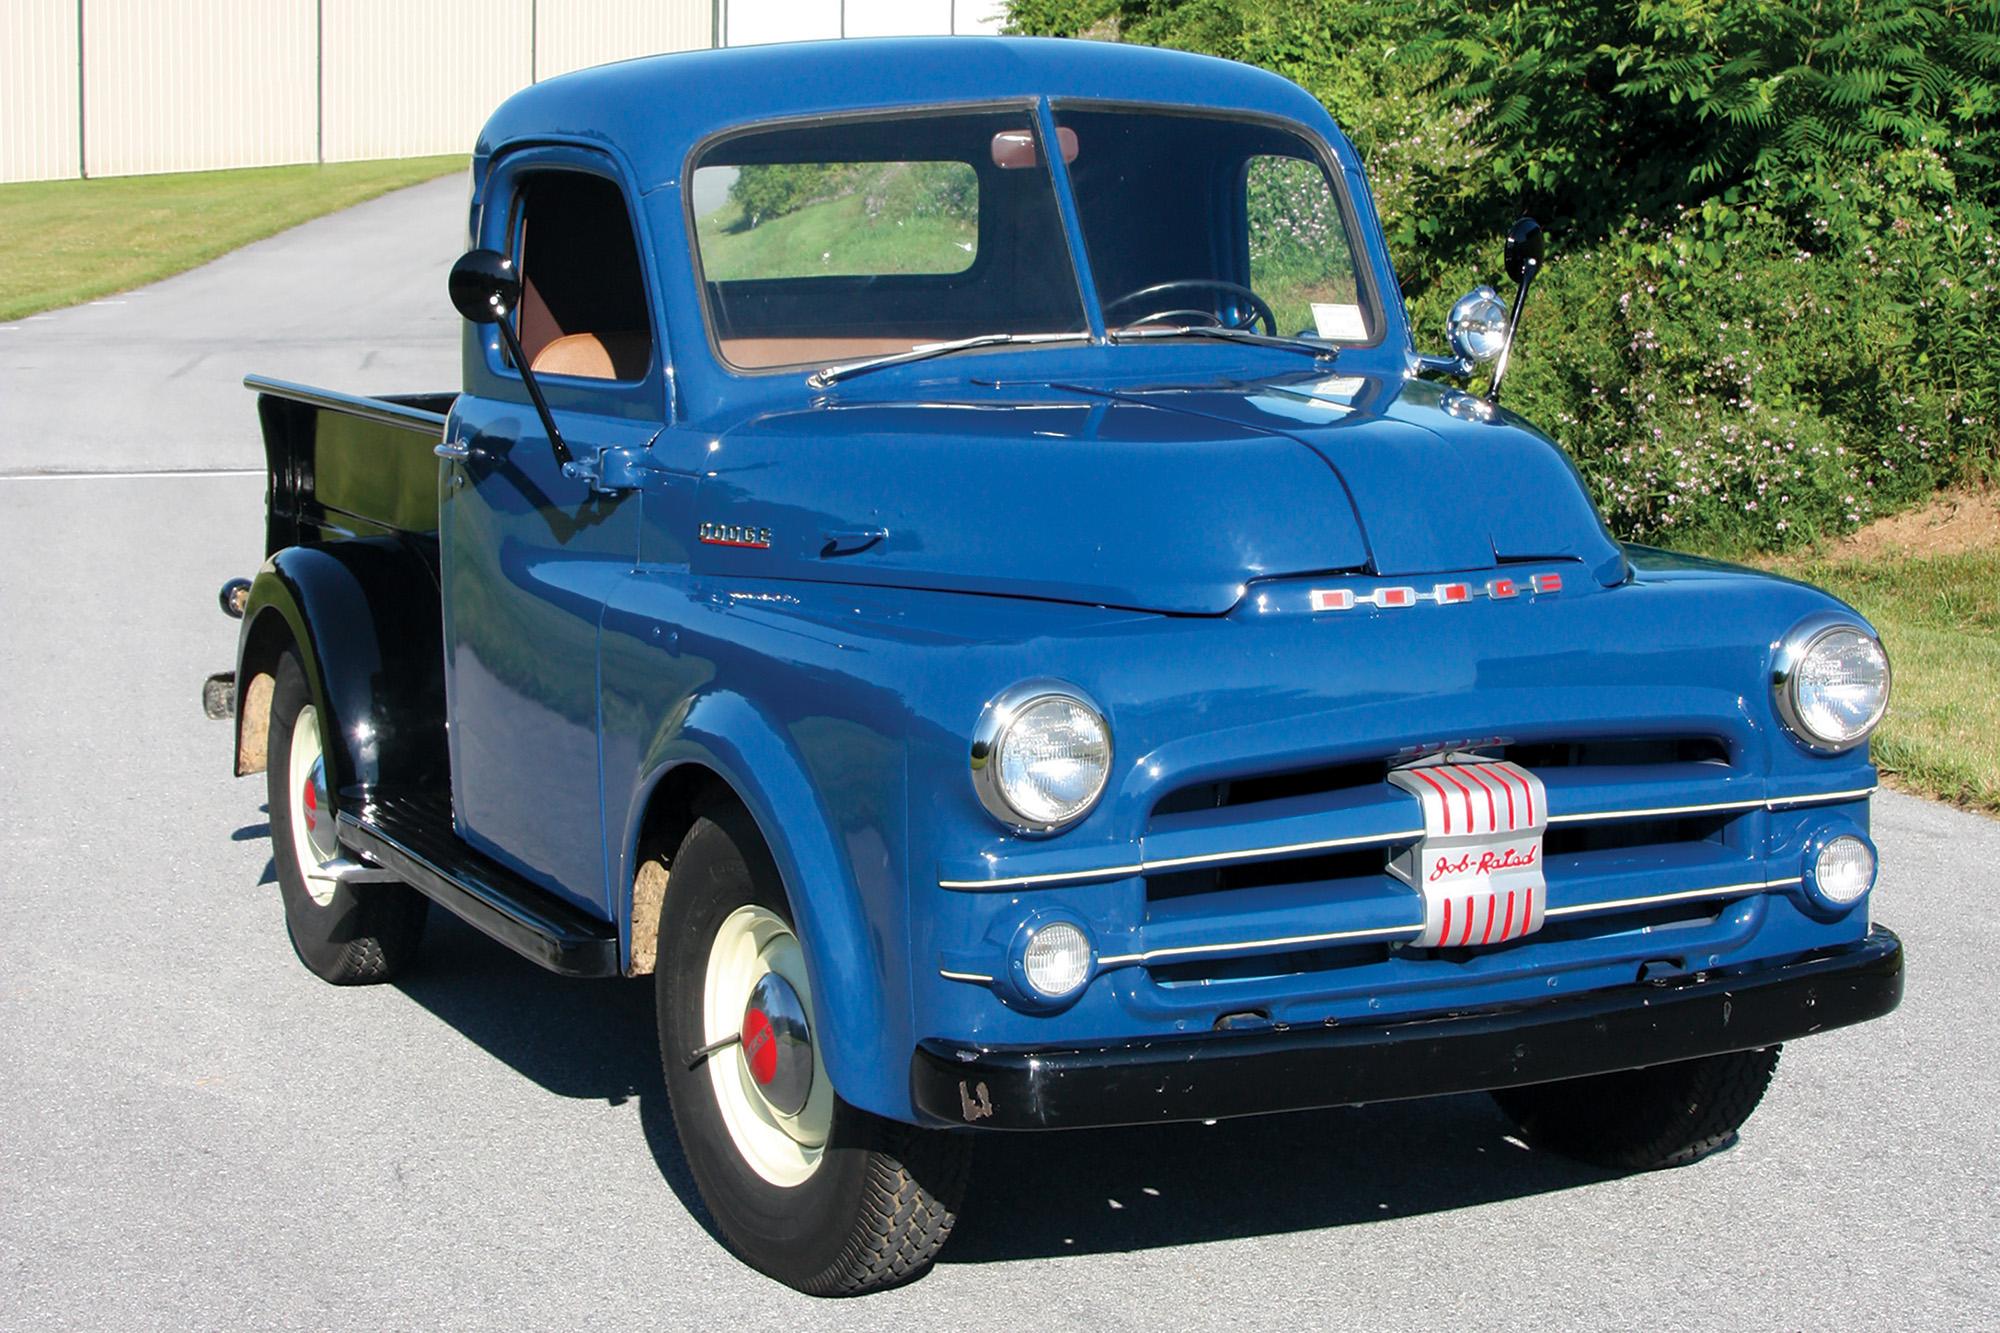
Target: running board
[{"x": 412, "y": 836}]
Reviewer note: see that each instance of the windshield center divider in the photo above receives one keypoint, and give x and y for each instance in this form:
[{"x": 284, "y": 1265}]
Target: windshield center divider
[{"x": 1086, "y": 282}]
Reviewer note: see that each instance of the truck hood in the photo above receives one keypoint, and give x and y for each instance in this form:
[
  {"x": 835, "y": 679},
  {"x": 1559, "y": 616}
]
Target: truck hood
[{"x": 1166, "y": 498}]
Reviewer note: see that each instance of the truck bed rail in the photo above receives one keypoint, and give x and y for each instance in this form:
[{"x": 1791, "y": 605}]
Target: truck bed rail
[{"x": 402, "y": 410}]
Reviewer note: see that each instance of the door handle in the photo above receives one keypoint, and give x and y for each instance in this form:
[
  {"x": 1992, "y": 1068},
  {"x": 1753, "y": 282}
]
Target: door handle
[
  {"x": 454, "y": 450},
  {"x": 850, "y": 541}
]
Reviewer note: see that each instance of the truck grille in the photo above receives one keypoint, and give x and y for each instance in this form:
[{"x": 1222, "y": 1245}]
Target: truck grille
[{"x": 1629, "y": 820}]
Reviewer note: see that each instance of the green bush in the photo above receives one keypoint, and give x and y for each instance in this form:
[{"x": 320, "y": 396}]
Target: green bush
[
  {"x": 771, "y": 190},
  {"x": 1773, "y": 225}
]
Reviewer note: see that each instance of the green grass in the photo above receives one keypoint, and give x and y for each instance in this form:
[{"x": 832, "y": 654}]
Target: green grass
[
  {"x": 833, "y": 237},
  {"x": 1939, "y": 617},
  {"x": 70, "y": 241}
]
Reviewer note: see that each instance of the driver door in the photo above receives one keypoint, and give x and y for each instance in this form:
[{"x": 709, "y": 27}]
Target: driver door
[{"x": 529, "y": 554}]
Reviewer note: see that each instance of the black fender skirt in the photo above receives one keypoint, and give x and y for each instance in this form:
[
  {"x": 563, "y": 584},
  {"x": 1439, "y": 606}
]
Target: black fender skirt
[{"x": 1213, "y": 1075}]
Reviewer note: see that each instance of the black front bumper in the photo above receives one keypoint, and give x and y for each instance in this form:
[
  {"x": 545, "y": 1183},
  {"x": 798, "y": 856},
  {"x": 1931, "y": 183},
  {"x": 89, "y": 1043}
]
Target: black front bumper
[{"x": 1213, "y": 1075}]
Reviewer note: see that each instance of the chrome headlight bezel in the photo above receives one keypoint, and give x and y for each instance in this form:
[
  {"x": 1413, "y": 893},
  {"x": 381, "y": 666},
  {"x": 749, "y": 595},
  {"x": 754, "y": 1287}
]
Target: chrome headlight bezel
[
  {"x": 1793, "y": 650},
  {"x": 996, "y": 720}
]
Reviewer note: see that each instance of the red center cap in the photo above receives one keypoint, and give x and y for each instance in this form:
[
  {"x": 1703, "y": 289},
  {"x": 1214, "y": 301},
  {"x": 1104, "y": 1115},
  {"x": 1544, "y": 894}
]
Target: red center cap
[
  {"x": 311, "y": 802},
  {"x": 760, "y": 1047}
]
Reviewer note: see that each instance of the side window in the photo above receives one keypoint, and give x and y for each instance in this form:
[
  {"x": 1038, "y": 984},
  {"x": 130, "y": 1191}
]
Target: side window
[
  {"x": 1299, "y": 256},
  {"x": 583, "y": 299}
]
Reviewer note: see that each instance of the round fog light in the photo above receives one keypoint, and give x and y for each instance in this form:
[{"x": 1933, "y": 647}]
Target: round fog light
[
  {"x": 1843, "y": 870},
  {"x": 1057, "y": 959}
]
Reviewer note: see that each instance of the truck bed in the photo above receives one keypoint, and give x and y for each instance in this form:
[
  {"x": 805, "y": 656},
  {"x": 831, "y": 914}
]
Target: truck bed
[{"x": 342, "y": 465}]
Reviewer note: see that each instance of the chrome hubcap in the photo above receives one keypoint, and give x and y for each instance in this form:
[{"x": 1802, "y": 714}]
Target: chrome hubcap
[
  {"x": 315, "y": 840},
  {"x": 777, "y": 1045},
  {"x": 318, "y": 809},
  {"x": 757, "y": 1019}
]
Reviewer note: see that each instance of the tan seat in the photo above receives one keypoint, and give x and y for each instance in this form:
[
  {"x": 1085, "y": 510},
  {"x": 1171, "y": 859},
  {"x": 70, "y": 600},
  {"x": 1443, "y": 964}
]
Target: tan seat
[
  {"x": 595, "y": 356},
  {"x": 760, "y": 352}
]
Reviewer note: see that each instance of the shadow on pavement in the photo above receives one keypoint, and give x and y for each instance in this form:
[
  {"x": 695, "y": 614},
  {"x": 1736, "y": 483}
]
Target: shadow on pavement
[
  {"x": 592, "y": 1040},
  {"x": 1096, "y": 1191},
  {"x": 1037, "y": 1195}
]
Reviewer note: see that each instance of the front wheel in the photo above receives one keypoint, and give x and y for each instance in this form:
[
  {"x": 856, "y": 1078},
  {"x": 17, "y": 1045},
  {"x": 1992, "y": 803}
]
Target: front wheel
[
  {"x": 1644, "y": 1119},
  {"x": 814, "y": 1192}
]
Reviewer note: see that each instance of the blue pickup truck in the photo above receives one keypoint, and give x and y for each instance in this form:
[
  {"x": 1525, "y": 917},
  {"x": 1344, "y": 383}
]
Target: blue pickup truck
[{"x": 948, "y": 555}]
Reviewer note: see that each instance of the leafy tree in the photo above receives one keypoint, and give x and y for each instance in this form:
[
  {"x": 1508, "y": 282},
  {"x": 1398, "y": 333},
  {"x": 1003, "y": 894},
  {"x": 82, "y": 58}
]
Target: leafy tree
[{"x": 771, "y": 190}]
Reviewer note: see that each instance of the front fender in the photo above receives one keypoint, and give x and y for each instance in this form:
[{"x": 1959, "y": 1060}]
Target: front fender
[
  {"x": 854, "y": 967},
  {"x": 363, "y": 615}
]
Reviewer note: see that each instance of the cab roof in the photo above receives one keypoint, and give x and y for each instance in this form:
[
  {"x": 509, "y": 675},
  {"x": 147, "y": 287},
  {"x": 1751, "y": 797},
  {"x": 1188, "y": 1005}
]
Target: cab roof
[{"x": 653, "y": 111}]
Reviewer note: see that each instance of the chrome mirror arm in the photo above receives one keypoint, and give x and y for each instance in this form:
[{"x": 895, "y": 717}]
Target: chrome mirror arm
[{"x": 1455, "y": 366}]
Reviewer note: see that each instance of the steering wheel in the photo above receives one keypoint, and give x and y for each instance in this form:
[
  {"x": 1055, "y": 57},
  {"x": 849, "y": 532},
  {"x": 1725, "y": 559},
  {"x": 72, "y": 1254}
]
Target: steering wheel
[{"x": 1259, "y": 310}]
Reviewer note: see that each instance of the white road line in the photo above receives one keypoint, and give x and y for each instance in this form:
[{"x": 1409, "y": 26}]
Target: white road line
[{"x": 126, "y": 476}]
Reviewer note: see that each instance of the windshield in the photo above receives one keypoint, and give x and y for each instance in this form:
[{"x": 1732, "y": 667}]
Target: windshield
[
  {"x": 850, "y": 240},
  {"x": 829, "y": 242},
  {"x": 1195, "y": 219}
]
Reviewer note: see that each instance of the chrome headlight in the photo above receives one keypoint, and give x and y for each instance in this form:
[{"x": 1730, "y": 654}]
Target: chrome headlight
[
  {"x": 1831, "y": 683},
  {"x": 1040, "y": 757}
]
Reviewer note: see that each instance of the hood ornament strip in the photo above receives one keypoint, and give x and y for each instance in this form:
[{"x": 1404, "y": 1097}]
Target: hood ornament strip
[{"x": 1398, "y": 596}]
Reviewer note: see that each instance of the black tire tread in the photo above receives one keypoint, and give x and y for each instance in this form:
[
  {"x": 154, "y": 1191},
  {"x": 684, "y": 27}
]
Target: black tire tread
[
  {"x": 903, "y": 1221},
  {"x": 1645, "y": 1119},
  {"x": 887, "y": 1192}
]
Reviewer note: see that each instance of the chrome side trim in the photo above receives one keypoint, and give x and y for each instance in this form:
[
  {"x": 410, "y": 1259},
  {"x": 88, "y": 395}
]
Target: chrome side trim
[
  {"x": 1830, "y": 798},
  {"x": 979, "y": 977},
  {"x": 1060, "y": 877},
  {"x": 1584, "y": 816},
  {"x": 1284, "y": 849},
  {"x": 1144, "y": 867},
  {"x": 1411, "y": 932},
  {"x": 1781, "y": 803},
  {"x": 1390, "y": 932},
  {"x": 1722, "y": 891}
]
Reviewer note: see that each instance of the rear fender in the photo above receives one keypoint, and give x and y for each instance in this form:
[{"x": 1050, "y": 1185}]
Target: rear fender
[
  {"x": 864, "y": 1040},
  {"x": 364, "y": 617}
]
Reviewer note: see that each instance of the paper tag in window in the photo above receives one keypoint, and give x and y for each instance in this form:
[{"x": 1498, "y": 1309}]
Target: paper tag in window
[{"x": 1339, "y": 322}]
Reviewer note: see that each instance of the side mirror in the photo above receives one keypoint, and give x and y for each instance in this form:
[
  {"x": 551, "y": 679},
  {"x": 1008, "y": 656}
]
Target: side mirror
[
  {"x": 484, "y": 287},
  {"x": 1526, "y": 242}
]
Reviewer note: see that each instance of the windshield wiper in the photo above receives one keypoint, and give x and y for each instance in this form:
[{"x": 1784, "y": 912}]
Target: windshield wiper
[
  {"x": 1228, "y": 335},
  {"x": 828, "y": 376}
]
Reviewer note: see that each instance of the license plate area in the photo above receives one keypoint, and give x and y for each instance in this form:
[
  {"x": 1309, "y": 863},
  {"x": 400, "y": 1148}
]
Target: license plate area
[{"x": 1478, "y": 866}]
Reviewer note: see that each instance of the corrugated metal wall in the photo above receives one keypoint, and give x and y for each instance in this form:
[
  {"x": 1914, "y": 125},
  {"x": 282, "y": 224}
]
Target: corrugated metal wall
[
  {"x": 754, "y": 22},
  {"x": 38, "y": 89},
  {"x": 409, "y": 77},
  {"x": 192, "y": 85},
  {"x": 573, "y": 34}
]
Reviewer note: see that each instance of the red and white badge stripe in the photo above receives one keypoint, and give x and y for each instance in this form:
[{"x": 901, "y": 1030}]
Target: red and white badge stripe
[{"x": 1479, "y": 864}]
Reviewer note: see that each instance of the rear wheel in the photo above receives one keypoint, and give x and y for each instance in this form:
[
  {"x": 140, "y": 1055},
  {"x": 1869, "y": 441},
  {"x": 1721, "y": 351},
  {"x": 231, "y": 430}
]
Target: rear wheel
[
  {"x": 812, "y": 1191},
  {"x": 348, "y": 934},
  {"x": 1643, "y": 1119}
]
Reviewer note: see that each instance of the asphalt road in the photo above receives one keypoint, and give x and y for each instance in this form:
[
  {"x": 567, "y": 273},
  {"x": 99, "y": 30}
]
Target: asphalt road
[{"x": 195, "y": 1132}]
